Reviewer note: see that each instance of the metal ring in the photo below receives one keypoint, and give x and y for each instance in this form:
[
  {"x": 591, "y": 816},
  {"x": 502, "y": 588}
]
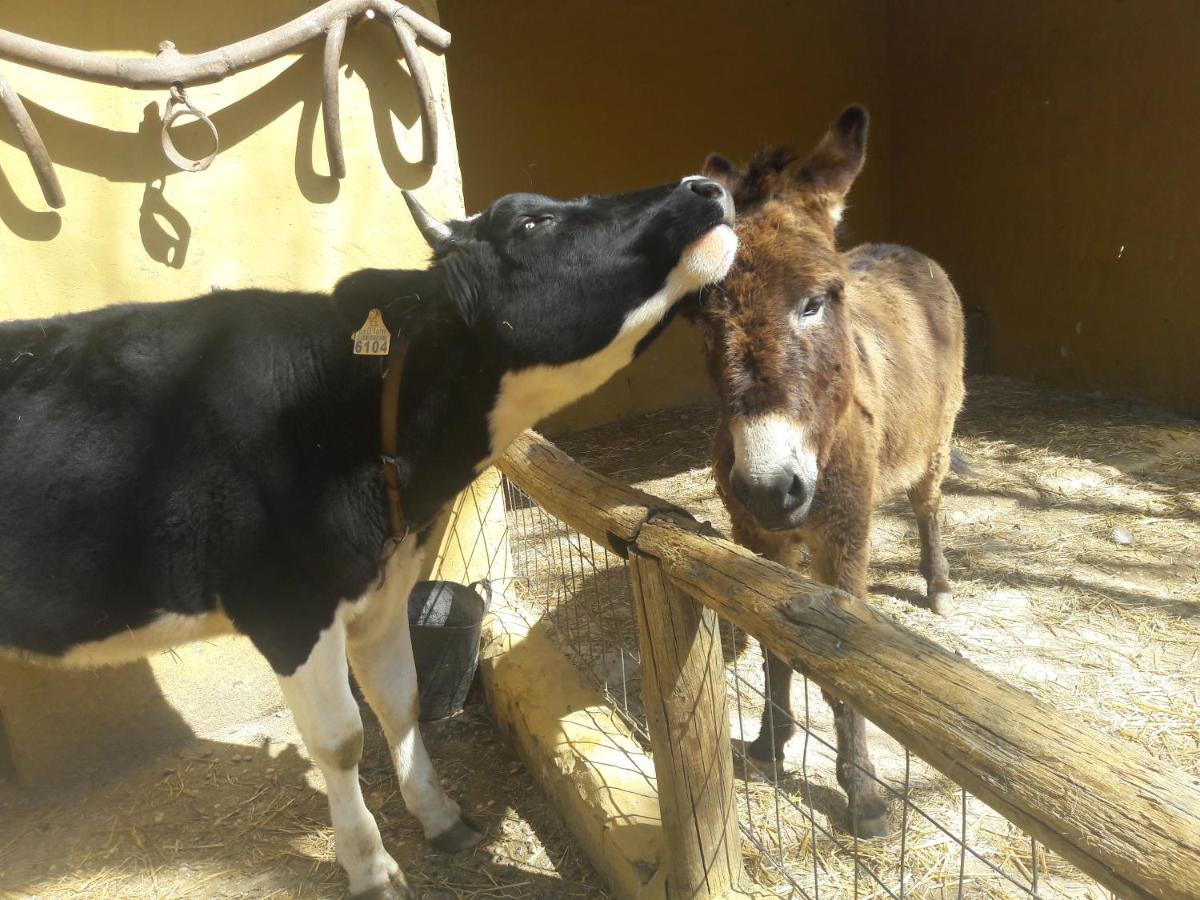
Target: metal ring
[{"x": 178, "y": 106}]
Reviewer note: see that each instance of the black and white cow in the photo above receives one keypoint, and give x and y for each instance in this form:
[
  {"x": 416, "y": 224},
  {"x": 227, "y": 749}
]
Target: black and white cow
[{"x": 171, "y": 471}]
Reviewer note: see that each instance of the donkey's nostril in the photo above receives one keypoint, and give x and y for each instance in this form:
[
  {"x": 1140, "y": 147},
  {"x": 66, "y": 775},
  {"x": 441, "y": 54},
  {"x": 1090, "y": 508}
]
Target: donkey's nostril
[
  {"x": 793, "y": 494},
  {"x": 796, "y": 491},
  {"x": 706, "y": 187}
]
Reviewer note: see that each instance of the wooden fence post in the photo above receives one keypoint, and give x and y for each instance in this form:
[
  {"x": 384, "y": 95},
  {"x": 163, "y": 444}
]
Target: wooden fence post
[{"x": 683, "y": 688}]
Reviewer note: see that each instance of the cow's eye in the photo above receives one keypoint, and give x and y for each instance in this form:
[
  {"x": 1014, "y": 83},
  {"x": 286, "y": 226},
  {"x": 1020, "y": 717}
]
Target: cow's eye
[
  {"x": 814, "y": 305},
  {"x": 532, "y": 223}
]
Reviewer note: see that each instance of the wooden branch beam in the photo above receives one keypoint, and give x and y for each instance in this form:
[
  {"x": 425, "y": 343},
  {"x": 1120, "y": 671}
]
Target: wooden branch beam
[
  {"x": 1123, "y": 817},
  {"x": 171, "y": 69},
  {"x": 608, "y": 512},
  {"x": 35, "y": 149},
  {"x": 683, "y": 686},
  {"x": 213, "y": 65}
]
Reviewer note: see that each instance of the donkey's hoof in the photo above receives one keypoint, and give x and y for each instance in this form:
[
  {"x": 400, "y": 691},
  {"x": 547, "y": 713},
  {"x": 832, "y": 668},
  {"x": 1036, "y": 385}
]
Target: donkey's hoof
[
  {"x": 766, "y": 754},
  {"x": 769, "y": 770},
  {"x": 874, "y": 827},
  {"x": 397, "y": 888},
  {"x": 942, "y": 603},
  {"x": 871, "y": 819},
  {"x": 462, "y": 835}
]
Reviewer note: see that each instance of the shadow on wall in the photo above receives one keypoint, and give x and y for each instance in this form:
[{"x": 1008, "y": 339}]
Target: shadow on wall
[
  {"x": 371, "y": 54},
  {"x": 59, "y": 722}
]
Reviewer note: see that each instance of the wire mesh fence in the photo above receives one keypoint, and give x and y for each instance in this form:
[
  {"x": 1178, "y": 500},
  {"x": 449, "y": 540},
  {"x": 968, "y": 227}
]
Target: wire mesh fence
[{"x": 798, "y": 840}]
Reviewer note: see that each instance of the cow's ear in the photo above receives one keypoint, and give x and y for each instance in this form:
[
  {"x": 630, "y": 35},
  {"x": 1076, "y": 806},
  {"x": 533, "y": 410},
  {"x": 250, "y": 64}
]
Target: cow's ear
[
  {"x": 436, "y": 233},
  {"x": 460, "y": 286},
  {"x": 836, "y": 161}
]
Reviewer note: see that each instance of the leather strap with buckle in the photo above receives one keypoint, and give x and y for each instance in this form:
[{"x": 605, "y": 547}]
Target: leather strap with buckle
[{"x": 389, "y": 421}]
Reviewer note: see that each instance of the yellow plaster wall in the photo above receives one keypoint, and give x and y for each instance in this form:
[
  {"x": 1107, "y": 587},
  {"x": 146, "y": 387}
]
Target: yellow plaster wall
[{"x": 265, "y": 214}]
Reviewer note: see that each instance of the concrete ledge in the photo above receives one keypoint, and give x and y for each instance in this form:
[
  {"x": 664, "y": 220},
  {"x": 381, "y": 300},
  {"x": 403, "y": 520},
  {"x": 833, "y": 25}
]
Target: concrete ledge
[{"x": 581, "y": 754}]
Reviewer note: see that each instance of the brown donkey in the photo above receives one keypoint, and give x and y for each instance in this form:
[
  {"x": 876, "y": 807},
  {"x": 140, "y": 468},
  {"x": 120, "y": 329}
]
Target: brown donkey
[{"x": 840, "y": 376}]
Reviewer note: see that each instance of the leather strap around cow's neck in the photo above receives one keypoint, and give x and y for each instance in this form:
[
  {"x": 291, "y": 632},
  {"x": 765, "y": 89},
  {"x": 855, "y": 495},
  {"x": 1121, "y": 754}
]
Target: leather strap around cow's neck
[{"x": 389, "y": 421}]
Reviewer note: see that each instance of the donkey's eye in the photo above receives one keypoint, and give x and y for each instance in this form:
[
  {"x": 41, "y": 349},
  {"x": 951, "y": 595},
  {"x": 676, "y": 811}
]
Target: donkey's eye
[{"x": 814, "y": 305}]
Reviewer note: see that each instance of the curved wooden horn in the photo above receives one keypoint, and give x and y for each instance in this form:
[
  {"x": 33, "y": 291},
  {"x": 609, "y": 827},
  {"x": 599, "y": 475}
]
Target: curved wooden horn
[{"x": 435, "y": 233}]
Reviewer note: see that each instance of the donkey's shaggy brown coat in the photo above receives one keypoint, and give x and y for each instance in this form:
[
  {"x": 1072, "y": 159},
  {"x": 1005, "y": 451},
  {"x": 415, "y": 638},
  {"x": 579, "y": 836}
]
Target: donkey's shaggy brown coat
[{"x": 840, "y": 376}]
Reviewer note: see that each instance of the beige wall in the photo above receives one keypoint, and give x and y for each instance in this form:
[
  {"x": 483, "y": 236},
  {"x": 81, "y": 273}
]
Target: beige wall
[
  {"x": 1046, "y": 154},
  {"x": 265, "y": 214},
  {"x": 571, "y": 98}
]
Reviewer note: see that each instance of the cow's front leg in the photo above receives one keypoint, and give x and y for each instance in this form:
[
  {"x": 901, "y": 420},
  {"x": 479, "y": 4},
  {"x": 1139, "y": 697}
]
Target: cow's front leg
[
  {"x": 318, "y": 694},
  {"x": 381, "y": 653}
]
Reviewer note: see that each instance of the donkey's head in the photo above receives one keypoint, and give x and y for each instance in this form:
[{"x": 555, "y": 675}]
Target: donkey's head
[{"x": 777, "y": 330}]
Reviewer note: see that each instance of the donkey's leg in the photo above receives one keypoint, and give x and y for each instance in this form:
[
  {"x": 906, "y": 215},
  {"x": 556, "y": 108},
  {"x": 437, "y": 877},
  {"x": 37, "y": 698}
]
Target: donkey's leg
[
  {"x": 777, "y": 723},
  {"x": 381, "y": 653},
  {"x": 926, "y": 498},
  {"x": 867, "y": 810},
  {"x": 318, "y": 694},
  {"x": 841, "y": 560}
]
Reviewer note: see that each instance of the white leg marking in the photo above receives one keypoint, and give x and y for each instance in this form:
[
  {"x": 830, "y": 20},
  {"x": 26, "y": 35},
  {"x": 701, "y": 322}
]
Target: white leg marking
[
  {"x": 768, "y": 444},
  {"x": 381, "y": 651},
  {"x": 329, "y": 721}
]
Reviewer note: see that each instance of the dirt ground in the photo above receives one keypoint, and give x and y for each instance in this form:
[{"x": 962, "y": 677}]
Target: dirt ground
[
  {"x": 246, "y": 817},
  {"x": 1072, "y": 549}
]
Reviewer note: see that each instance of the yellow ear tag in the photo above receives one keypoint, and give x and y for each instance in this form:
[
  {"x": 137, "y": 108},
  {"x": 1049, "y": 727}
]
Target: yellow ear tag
[{"x": 373, "y": 339}]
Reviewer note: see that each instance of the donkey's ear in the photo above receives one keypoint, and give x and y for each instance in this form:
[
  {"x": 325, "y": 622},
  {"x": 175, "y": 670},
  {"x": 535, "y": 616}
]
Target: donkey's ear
[
  {"x": 832, "y": 167},
  {"x": 689, "y": 306},
  {"x": 719, "y": 168}
]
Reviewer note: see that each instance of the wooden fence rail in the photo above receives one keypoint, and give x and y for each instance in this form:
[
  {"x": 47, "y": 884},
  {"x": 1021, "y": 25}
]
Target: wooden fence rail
[{"x": 1122, "y": 816}]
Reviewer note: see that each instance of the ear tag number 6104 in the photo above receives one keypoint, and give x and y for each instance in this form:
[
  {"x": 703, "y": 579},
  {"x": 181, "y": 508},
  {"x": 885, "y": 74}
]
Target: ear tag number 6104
[{"x": 373, "y": 339}]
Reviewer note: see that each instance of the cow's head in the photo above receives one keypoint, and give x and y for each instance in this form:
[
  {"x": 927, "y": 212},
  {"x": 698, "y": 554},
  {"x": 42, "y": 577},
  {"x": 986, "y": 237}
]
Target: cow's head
[
  {"x": 777, "y": 331},
  {"x": 563, "y": 293}
]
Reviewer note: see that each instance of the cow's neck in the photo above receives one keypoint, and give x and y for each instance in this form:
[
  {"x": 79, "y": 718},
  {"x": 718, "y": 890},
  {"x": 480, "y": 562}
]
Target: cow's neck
[
  {"x": 459, "y": 408},
  {"x": 528, "y": 395},
  {"x": 447, "y": 389}
]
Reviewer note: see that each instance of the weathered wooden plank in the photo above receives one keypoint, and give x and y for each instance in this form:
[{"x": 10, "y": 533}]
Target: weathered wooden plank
[
  {"x": 683, "y": 685},
  {"x": 1125, "y": 818},
  {"x": 606, "y": 511}
]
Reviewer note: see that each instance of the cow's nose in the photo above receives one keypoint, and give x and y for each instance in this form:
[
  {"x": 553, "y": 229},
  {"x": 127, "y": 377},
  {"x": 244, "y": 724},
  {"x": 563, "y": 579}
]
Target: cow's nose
[
  {"x": 706, "y": 187},
  {"x": 710, "y": 190}
]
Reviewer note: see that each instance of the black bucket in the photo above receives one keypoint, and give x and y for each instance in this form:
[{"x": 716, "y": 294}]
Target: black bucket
[{"x": 445, "y": 619}]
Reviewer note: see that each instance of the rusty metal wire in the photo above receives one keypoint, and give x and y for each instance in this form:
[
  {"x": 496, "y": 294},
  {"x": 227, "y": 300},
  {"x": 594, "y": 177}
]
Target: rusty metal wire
[
  {"x": 175, "y": 71},
  {"x": 796, "y": 840}
]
